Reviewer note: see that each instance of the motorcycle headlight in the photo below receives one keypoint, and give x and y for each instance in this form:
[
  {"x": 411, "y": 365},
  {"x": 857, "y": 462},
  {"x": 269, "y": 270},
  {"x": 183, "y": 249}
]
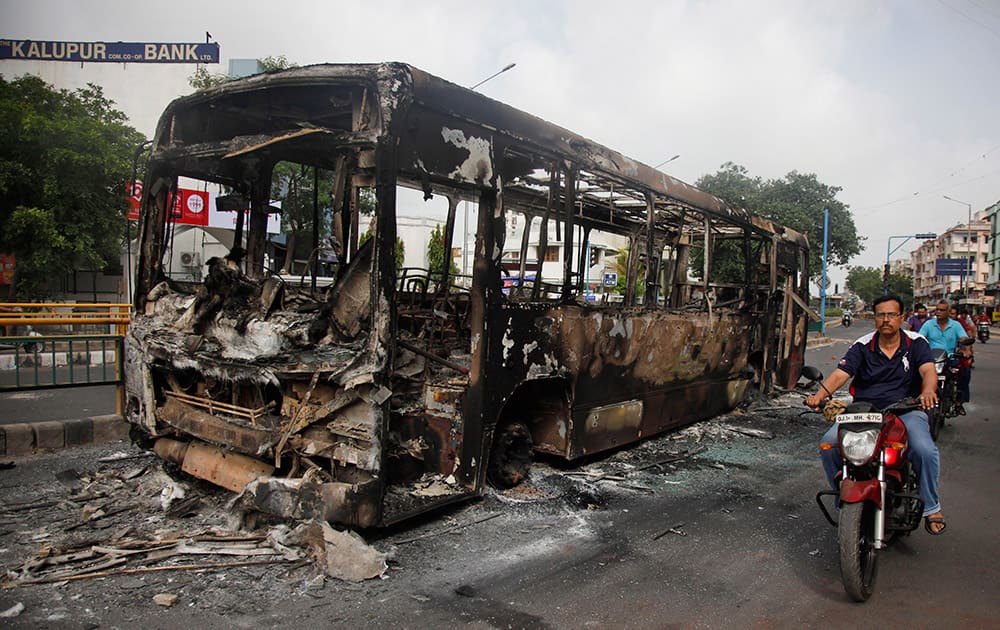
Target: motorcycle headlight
[
  {"x": 939, "y": 367},
  {"x": 859, "y": 446}
]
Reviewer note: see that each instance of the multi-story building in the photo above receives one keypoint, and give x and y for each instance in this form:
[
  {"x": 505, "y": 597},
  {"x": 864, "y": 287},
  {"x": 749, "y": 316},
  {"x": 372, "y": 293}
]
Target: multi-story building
[
  {"x": 965, "y": 240},
  {"x": 902, "y": 267},
  {"x": 992, "y": 215},
  {"x": 602, "y": 249}
]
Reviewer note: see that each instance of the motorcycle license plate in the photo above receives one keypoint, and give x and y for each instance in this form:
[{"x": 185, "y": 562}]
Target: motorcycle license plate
[{"x": 851, "y": 418}]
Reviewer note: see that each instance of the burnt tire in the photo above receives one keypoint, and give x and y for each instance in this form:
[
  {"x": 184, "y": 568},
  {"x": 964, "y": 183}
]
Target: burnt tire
[
  {"x": 858, "y": 556},
  {"x": 510, "y": 457}
]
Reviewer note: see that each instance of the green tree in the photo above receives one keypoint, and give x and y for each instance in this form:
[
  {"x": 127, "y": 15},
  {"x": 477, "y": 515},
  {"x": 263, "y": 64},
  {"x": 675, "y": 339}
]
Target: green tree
[
  {"x": 202, "y": 79},
  {"x": 436, "y": 251},
  {"x": 867, "y": 283},
  {"x": 293, "y": 185},
  {"x": 65, "y": 163},
  {"x": 620, "y": 266},
  {"x": 400, "y": 248},
  {"x": 903, "y": 287},
  {"x": 797, "y": 201}
]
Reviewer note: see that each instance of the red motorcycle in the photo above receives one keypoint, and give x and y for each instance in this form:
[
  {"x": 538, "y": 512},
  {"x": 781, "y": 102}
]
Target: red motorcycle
[{"x": 878, "y": 497}]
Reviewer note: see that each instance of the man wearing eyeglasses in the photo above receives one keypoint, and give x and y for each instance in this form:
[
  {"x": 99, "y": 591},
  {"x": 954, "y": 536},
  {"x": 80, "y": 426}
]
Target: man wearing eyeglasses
[{"x": 886, "y": 366}]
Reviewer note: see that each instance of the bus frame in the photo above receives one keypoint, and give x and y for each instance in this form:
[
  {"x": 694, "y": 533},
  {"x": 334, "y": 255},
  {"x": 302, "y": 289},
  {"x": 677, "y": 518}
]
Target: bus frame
[{"x": 393, "y": 391}]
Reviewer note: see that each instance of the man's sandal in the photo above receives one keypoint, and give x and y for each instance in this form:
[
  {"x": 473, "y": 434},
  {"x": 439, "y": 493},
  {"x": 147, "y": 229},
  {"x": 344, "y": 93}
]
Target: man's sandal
[{"x": 931, "y": 521}]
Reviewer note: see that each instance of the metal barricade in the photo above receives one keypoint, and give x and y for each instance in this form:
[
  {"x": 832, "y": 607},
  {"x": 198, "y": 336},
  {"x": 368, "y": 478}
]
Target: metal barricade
[{"x": 78, "y": 345}]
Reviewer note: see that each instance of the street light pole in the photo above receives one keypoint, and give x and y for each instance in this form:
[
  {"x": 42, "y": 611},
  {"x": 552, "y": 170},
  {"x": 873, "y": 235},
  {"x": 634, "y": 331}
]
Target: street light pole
[
  {"x": 667, "y": 161},
  {"x": 495, "y": 74},
  {"x": 822, "y": 286},
  {"x": 465, "y": 226},
  {"x": 968, "y": 242}
]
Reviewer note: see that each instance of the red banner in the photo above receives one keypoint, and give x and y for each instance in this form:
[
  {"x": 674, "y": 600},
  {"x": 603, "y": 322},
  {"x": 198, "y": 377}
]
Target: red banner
[
  {"x": 190, "y": 206},
  {"x": 7, "y": 264}
]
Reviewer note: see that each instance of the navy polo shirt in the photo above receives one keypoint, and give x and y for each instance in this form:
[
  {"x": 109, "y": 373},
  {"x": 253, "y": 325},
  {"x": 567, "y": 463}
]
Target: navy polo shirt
[{"x": 883, "y": 380}]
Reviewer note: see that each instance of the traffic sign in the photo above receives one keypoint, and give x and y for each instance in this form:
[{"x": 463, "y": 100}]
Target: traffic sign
[{"x": 951, "y": 266}]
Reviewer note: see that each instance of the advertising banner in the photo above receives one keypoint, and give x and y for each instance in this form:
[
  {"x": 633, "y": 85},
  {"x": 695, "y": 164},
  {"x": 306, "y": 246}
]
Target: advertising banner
[
  {"x": 190, "y": 206},
  {"x": 109, "y": 52},
  {"x": 8, "y": 262},
  {"x": 198, "y": 207}
]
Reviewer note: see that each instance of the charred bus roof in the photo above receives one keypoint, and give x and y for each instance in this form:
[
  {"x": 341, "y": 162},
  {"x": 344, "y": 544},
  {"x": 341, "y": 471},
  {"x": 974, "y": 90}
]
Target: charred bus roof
[{"x": 301, "y": 110}]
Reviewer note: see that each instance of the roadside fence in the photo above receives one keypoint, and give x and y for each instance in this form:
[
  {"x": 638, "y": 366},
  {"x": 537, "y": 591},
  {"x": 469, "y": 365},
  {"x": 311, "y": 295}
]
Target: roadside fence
[{"x": 57, "y": 345}]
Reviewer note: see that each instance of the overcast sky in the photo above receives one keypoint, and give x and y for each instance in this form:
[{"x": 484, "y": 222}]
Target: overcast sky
[{"x": 895, "y": 101}]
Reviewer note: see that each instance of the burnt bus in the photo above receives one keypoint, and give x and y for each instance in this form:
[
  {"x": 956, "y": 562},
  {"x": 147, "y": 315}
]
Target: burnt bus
[{"x": 373, "y": 392}]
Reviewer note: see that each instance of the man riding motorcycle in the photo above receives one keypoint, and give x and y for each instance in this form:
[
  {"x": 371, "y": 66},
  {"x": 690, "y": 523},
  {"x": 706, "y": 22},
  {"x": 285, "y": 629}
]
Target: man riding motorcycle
[
  {"x": 945, "y": 332},
  {"x": 888, "y": 365}
]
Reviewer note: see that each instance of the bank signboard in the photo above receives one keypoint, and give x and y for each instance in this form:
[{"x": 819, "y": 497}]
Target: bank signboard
[{"x": 108, "y": 52}]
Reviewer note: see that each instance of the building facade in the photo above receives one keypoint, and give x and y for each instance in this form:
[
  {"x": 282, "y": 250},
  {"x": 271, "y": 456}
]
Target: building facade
[
  {"x": 965, "y": 240},
  {"x": 992, "y": 217}
]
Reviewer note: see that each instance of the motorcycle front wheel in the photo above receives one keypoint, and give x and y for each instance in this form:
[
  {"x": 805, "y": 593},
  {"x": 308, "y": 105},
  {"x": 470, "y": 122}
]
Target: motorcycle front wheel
[{"x": 858, "y": 556}]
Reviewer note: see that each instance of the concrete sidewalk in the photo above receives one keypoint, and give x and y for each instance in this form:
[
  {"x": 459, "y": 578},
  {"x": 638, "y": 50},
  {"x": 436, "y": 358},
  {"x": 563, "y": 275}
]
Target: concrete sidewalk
[{"x": 25, "y": 438}]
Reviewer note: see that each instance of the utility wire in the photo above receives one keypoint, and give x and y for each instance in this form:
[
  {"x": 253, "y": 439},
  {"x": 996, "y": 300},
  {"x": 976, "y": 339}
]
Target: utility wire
[
  {"x": 971, "y": 19},
  {"x": 935, "y": 187},
  {"x": 987, "y": 8}
]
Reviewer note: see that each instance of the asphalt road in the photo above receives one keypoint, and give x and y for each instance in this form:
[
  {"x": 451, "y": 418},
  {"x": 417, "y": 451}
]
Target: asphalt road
[
  {"x": 57, "y": 404},
  {"x": 750, "y": 548},
  {"x": 757, "y": 551}
]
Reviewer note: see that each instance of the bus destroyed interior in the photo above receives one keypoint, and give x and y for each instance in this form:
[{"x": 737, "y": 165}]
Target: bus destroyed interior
[{"x": 377, "y": 392}]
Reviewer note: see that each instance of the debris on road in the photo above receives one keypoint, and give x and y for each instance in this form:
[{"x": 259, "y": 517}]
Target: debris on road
[
  {"x": 100, "y": 534},
  {"x": 757, "y": 433},
  {"x": 165, "y": 599},
  {"x": 13, "y": 611},
  {"x": 676, "y": 529},
  {"x": 447, "y": 529},
  {"x": 96, "y": 533}
]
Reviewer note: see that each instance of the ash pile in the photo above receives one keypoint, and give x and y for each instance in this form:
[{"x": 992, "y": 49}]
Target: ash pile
[{"x": 132, "y": 518}]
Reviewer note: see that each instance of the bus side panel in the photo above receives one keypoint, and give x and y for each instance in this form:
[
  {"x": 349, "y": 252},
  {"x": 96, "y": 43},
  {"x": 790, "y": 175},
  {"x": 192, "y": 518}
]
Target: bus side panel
[{"x": 631, "y": 374}]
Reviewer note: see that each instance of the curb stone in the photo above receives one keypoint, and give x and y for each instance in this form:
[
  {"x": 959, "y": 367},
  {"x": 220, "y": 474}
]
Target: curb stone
[
  {"x": 49, "y": 434},
  {"x": 25, "y": 438}
]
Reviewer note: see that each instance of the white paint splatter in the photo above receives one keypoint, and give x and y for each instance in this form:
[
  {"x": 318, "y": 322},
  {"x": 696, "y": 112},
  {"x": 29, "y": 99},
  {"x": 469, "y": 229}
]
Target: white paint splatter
[
  {"x": 618, "y": 329},
  {"x": 507, "y": 344},
  {"x": 478, "y": 167}
]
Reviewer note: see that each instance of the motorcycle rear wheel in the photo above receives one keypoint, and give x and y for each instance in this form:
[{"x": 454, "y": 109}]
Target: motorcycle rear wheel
[{"x": 858, "y": 556}]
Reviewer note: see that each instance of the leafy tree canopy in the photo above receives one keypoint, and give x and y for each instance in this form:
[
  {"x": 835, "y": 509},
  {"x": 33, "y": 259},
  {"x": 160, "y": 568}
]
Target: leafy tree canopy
[
  {"x": 796, "y": 201},
  {"x": 65, "y": 163},
  {"x": 400, "y": 252},
  {"x": 436, "y": 251},
  {"x": 620, "y": 265},
  {"x": 867, "y": 283}
]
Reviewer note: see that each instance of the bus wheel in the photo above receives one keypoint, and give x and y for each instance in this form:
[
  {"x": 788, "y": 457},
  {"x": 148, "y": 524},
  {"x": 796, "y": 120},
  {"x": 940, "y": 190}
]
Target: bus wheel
[{"x": 510, "y": 458}]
